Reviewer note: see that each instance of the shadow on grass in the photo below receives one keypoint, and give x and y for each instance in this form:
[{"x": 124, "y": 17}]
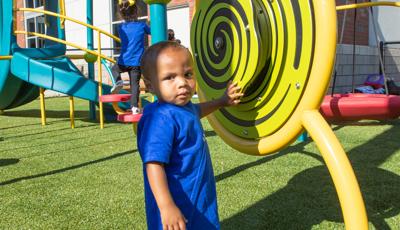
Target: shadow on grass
[
  {"x": 310, "y": 198},
  {"x": 81, "y": 115},
  {"x": 48, "y": 130},
  {"x": 18, "y": 126},
  {"x": 50, "y": 144},
  {"x": 342, "y": 124},
  {"x": 49, "y": 113},
  {"x": 8, "y": 161},
  {"x": 243, "y": 167},
  {"x": 19, "y": 179}
]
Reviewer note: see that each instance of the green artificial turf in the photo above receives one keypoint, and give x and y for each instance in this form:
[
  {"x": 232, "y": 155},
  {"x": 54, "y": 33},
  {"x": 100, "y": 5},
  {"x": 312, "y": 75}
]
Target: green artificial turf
[{"x": 54, "y": 177}]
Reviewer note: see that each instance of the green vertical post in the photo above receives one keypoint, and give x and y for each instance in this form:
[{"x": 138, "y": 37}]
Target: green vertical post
[
  {"x": 89, "y": 32},
  {"x": 158, "y": 20}
]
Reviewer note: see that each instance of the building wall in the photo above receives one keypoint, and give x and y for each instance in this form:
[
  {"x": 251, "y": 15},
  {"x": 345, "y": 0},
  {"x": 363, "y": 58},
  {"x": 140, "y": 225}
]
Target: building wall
[
  {"x": 391, "y": 60},
  {"x": 357, "y": 33},
  {"x": 20, "y": 25},
  {"x": 387, "y": 19},
  {"x": 367, "y": 61},
  {"x": 367, "y": 54}
]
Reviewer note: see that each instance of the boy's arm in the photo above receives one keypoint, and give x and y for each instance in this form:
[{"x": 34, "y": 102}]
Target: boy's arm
[
  {"x": 231, "y": 97},
  {"x": 171, "y": 216}
]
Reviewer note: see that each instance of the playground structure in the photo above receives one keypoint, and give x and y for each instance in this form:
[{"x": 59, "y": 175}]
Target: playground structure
[
  {"x": 354, "y": 106},
  {"x": 280, "y": 52}
]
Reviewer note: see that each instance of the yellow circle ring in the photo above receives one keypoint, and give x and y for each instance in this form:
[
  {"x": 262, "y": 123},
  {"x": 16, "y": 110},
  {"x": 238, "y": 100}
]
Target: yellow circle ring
[{"x": 280, "y": 52}]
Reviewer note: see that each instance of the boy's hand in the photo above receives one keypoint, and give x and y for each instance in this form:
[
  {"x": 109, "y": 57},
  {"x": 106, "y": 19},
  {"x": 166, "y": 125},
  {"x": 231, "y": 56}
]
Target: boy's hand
[
  {"x": 172, "y": 218},
  {"x": 232, "y": 95}
]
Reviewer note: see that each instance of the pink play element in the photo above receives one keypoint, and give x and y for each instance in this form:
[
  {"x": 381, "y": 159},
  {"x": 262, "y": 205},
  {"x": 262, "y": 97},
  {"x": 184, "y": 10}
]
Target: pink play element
[
  {"x": 129, "y": 117},
  {"x": 358, "y": 106},
  {"x": 115, "y": 98}
]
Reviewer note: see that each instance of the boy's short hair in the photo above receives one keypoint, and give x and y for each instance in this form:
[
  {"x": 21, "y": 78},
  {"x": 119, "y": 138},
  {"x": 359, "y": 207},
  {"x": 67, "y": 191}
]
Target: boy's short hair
[
  {"x": 128, "y": 12},
  {"x": 150, "y": 57}
]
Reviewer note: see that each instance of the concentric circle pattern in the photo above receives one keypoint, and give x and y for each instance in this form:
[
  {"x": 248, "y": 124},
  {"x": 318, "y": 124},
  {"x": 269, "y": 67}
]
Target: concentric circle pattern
[{"x": 267, "y": 47}]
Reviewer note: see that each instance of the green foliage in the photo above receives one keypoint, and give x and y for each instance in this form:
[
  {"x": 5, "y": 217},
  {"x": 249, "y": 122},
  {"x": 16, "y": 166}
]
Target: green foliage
[{"x": 55, "y": 177}]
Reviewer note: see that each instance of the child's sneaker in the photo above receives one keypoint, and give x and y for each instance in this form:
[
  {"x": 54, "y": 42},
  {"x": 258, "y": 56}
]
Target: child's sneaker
[
  {"x": 117, "y": 87},
  {"x": 135, "y": 110}
]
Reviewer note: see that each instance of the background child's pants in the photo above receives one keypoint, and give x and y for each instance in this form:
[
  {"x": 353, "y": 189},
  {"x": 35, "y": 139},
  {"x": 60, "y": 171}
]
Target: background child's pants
[{"x": 134, "y": 78}]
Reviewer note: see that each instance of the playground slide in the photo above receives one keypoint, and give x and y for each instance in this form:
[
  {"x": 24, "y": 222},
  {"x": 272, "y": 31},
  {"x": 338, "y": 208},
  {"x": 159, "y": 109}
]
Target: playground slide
[
  {"x": 13, "y": 91},
  {"x": 58, "y": 74},
  {"x": 29, "y": 69}
]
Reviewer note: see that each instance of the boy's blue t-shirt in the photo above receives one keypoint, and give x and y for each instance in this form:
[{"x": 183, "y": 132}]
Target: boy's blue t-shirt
[
  {"x": 132, "y": 42},
  {"x": 173, "y": 135}
]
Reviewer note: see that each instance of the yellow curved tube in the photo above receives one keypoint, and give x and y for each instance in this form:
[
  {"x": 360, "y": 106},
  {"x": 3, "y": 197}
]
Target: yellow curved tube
[
  {"x": 355, "y": 216},
  {"x": 367, "y": 4},
  {"x": 117, "y": 109}
]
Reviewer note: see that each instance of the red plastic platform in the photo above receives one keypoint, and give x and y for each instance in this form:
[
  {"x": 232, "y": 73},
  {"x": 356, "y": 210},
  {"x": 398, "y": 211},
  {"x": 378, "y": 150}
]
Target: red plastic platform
[
  {"x": 357, "y": 106},
  {"x": 129, "y": 117},
  {"x": 115, "y": 98}
]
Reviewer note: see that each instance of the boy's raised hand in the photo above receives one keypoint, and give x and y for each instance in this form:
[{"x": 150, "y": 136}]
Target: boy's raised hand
[
  {"x": 231, "y": 97},
  {"x": 232, "y": 94}
]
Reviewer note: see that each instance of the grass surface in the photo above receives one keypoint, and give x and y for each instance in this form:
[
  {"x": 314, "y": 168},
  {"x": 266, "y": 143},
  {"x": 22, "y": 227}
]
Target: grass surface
[{"x": 54, "y": 177}]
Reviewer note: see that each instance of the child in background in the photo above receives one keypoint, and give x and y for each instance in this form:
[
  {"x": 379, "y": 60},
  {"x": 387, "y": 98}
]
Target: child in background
[
  {"x": 179, "y": 184},
  {"x": 171, "y": 36},
  {"x": 132, "y": 34}
]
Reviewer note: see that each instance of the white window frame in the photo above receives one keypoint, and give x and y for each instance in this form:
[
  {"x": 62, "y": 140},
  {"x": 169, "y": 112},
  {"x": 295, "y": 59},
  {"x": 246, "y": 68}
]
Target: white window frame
[{"x": 28, "y": 16}]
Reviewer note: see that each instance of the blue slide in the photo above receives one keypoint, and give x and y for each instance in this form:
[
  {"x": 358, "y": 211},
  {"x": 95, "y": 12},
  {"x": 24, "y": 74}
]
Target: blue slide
[{"x": 29, "y": 69}]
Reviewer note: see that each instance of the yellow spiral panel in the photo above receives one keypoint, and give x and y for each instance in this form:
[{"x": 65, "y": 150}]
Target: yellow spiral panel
[
  {"x": 281, "y": 52},
  {"x": 273, "y": 50}
]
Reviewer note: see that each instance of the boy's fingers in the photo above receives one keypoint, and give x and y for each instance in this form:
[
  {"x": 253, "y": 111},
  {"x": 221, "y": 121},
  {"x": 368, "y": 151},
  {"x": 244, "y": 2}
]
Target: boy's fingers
[
  {"x": 182, "y": 226},
  {"x": 237, "y": 95},
  {"x": 236, "y": 88},
  {"x": 231, "y": 84}
]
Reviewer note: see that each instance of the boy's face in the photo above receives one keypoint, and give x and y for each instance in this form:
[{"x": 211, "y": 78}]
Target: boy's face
[{"x": 174, "y": 81}]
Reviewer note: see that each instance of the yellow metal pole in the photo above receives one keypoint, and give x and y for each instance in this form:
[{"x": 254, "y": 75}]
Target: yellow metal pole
[
  {"x": 350, "y": 198},
  {"x": 71, "y": 111},
  {"x": 7, "y": 57},
  {"x": 62, "y": 12},
  {"x": 65, "y": 43},
  {"x": 42, "y": 107},
  {"x": 14, "y": 15},
  {"x": 367, "y": 4},
  {"x": 196, "y": 6},
  {"x": 100, "y": 87},
  {"x": 134, "y": 127}
]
